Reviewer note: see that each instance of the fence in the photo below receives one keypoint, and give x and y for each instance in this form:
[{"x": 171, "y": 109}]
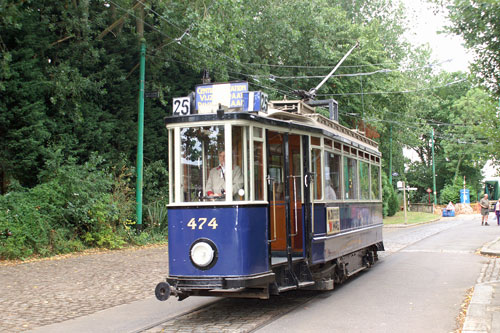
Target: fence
[{"x": 421, "y": 208}]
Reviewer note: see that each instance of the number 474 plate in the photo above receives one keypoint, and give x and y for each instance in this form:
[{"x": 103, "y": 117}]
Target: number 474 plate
[{"x": 181, "y": 106}]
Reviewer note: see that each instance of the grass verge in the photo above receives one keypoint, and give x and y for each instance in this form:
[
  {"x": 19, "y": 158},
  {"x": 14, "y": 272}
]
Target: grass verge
[{"x": 412, "y": 218}]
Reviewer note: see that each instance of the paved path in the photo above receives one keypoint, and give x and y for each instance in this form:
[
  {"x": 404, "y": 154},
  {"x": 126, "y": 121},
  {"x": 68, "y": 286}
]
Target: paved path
[
  {"x": 483, "y": 313},
  {"x": 49, "y": 291}
]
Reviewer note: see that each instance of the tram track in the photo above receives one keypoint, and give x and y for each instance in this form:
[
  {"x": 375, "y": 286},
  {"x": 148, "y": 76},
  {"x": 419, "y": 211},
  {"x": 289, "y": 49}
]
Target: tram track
[
  {"x": 233, "y": 314},
  {"x": 250, "y": 315}
]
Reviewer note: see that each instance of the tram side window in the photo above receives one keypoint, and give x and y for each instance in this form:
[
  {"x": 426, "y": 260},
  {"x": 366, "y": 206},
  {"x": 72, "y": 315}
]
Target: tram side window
[
  {"x": 350, "y": 178},
  {"x": 317, "y": 169},
  {"x": 375, "y": 172},
  {"x": 239, "y": 188},
  {"x": 171, "y": 159},
  {"x": 276, "y": 165},
  {"x": 364, "y": 180},
  {"x": 200, "y": 150},
  {"x": 332, "y": 176},
  {"x": 258, "y": 170}
]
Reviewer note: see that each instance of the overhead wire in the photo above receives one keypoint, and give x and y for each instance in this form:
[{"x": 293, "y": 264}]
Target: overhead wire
[
  {"x": 290, "y": 90},
  {"x": 384, "y": 71}
]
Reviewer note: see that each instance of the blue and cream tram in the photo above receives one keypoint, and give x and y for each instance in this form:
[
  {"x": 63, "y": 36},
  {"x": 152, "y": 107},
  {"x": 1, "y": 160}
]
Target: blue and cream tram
[{"x": 299, "y": 204}]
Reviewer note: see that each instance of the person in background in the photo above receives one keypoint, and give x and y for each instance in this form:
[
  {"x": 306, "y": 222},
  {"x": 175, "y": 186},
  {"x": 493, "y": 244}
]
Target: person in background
[
  {"x": 497, "y": 211},
  {"x": 330, "y": 192},
  {"x": 485, "y": 209},
  {"x": 216, "y": 183}
]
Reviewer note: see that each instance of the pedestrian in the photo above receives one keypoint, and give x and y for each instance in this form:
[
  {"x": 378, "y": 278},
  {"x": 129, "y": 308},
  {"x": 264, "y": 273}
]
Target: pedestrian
[
  {"x": 485, "y": 209},
  {"x": 497, "y": 211}
]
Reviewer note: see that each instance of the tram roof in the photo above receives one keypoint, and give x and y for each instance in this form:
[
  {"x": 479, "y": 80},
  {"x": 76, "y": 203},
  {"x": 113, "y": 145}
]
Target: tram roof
[{"x": 314, "y": 123}]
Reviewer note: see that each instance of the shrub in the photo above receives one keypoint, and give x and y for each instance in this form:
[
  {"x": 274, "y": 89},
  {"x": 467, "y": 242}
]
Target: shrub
[
  {"x": 393, "y": 204},
  {"x": 76, "y": 206}
]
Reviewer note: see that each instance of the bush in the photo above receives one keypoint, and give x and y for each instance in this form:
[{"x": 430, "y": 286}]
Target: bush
[
  {"x": 76, "y": 207},
  {"x": 451, "y": 192},
  {"x": 393, "y": 204},
  {"x": 390, "y": 201}
]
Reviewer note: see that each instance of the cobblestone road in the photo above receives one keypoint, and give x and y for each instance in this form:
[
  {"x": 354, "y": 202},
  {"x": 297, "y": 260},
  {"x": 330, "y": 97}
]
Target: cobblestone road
[
  {"x": 235, "y": 315},
  {"x": 49, "y": 291}
]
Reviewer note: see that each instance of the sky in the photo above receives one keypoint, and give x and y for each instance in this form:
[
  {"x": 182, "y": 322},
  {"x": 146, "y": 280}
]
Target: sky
[{"x": 424, "y": 28}]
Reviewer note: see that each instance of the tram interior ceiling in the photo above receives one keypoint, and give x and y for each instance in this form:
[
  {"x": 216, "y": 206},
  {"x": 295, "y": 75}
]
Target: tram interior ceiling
[{"x": 267, "y": 198}]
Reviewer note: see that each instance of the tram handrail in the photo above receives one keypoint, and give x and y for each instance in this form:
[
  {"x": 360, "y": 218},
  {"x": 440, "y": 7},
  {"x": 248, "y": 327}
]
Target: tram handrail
[
  {"x": 269, "y": 179},
  {"x": 312, "y": 203},
  {"x": 295, "y": 204}
]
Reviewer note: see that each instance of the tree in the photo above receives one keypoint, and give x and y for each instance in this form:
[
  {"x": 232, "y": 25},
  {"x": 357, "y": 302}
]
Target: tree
[{"x": 477, "y": 22}]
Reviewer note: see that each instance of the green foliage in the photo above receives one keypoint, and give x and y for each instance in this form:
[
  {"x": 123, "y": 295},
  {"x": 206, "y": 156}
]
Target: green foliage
[
  {"x": 393, "y": 204},
  {"x": 157, "y": 216},
  {"x": 156, "y": 182},
  {"x": 74, "y": 208},
  {"x": 390, "y": 201},
  {"x": 451, "y": 192},
  {"x": 69, "y": 88},
  {"x": 477, "y": 22}
]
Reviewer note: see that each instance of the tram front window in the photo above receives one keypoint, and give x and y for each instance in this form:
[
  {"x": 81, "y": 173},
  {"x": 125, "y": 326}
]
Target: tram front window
[
  {"x": 200, "y": 148},
  {"x": 203, "y": 170}
]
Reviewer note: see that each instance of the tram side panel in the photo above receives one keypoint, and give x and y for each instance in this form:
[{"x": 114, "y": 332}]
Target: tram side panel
[
  {"x": 360, "y": 227},
  {"x": 239, "y": 235}
]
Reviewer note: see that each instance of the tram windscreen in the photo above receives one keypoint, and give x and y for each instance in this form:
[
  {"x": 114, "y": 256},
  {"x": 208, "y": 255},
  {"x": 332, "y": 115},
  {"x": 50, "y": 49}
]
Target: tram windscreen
[{"x": 201, "y": 149}]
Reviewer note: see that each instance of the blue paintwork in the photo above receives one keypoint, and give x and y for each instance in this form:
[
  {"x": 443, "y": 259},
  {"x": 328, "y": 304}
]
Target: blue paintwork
[
  {"x": 241, "y": 239},
  {"x": 360, "y": 226}
]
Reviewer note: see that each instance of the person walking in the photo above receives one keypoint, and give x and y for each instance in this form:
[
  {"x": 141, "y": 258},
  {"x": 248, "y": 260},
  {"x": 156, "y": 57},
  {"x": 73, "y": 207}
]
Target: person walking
[
  {"x": 485, "y": 209},
  {"x": 497, "y": 211}
]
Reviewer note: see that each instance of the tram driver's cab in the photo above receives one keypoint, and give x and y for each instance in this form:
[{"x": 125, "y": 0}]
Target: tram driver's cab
[{"x": 214, "y": 163}]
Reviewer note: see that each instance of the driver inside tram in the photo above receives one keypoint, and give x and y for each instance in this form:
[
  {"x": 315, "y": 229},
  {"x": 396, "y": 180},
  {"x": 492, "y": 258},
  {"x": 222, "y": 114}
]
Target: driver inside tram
[{"x": 216, "y": 183}]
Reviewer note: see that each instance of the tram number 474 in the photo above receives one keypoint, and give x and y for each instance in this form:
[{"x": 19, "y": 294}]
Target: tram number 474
[{"x": 200, "y": 222}]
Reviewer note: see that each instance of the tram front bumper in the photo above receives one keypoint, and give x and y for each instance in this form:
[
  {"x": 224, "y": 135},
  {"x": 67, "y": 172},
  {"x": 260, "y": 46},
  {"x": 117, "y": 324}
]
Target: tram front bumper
[{"x": 186, "y": 283}]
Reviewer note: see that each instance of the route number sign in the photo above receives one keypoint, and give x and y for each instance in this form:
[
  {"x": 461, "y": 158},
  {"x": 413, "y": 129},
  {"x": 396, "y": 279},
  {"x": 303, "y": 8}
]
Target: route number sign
[{"x": 181, "y": 106}]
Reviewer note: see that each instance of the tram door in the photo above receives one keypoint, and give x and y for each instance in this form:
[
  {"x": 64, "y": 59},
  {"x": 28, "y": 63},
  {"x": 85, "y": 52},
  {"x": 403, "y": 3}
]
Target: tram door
[{"x": 285, "y": 194}]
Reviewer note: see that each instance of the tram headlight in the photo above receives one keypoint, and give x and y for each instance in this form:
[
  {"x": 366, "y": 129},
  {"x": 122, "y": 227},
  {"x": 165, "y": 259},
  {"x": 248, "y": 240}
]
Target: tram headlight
[{"x": 203, "y": 254}]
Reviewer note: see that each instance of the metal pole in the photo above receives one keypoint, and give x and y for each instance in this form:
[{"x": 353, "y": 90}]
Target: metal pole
[
  {"x": 140, "y": 137},
  {"x": 433, "y": 169},
  {"x": 404, "y": 199},
  {"x": 390, "y": 157}
]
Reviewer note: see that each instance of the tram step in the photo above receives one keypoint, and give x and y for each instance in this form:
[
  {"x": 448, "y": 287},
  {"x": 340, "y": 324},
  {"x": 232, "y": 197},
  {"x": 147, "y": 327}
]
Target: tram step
[
  {"x": 286, "y": 288},
  {"x": 304, "y": 284},
  {"x": 349, "y": 274}
]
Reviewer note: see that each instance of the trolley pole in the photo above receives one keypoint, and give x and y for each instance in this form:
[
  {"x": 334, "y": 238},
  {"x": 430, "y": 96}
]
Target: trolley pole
[
  {"x": 433, "y": 168},
  {"x": 140, "y": 137}
]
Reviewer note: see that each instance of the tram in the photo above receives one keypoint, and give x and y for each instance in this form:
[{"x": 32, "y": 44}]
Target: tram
[{"x": 266, "y": 197}]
